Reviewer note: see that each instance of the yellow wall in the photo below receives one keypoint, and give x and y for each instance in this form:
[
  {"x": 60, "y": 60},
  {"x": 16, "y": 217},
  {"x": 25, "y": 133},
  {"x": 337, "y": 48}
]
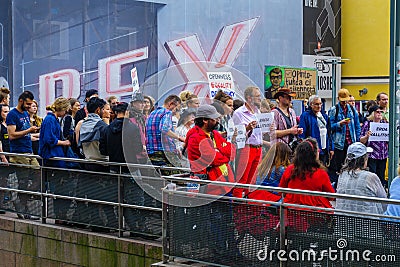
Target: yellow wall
[
  {"x": 373, "y": 90},
  {"x": 365, "y": 37}
]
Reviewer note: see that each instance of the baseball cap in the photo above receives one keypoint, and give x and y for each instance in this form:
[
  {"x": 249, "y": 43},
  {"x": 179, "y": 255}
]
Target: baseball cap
[
  {"x": 208, "y": 112},
  {"x": 358, "y": 149},
  {"x": 344, "y": 95},
  {"x": 90, "y": 93}
]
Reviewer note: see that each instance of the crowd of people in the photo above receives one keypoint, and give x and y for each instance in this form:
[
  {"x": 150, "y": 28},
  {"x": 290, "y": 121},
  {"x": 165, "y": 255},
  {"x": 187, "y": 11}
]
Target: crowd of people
[
  {"x": 328, "y": 152},
  {"x": 316, "y": 150}
]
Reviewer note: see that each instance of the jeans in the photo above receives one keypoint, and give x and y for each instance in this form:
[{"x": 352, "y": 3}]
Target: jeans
[{"x": 378, "y": 166}]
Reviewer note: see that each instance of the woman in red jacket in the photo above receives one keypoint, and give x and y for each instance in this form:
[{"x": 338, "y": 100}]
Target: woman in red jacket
[{"x": 307, "y": 173}]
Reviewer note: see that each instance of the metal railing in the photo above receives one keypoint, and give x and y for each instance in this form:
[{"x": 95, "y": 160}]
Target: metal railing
[
  {"x": 196, "y": 226},
  {"x": 97, "y": 200},
  {"x": 252, "y": 231}
]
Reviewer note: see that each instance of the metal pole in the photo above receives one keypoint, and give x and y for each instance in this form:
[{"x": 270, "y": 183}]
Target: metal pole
[
  {"x": 165, "y": 233},
  {"x": 394, "y": 91},
  {"x": 43, "y": 189},
  {"x": 120, "y": 208},
  {"x": 282, "y": 230},
  {"x": 334, "y": 85}
]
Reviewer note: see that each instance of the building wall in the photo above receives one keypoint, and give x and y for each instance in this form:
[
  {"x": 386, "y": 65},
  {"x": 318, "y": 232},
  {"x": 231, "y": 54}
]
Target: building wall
[
  {"x": 50, "y": 36},
  {"x": 26, "y": 243},
  {"x": 274, "y": 41},
  {"x": 365, "y": 42}
]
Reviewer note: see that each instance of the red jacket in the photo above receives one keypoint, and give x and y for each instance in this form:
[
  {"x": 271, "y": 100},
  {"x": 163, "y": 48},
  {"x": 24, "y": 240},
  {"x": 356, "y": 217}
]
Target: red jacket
[
  {"x": 318, "y": 181},
  {"x": 202, "y": 154}
]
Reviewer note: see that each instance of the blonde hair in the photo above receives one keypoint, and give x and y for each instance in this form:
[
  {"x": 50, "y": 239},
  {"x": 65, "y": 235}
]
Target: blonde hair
[
  {"x": 278, "y": 155},
  {"x": 184, "y": 95},
  {"x": 60, "y": 104},
  {"x": 37, "y": 121},
  {"x": 111, "y": 98}
]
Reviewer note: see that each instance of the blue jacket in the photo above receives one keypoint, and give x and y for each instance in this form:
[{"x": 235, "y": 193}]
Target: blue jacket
[
  {"x": 309, "y": 123},
  {"x": 392, "y": 209},
  {"x": 339, "y": 132},
  {"x": 50, "y": 133}
]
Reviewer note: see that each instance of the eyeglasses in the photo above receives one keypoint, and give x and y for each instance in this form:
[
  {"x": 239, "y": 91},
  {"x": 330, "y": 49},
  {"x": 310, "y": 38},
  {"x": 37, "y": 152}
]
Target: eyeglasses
[
  {"x": 317, "y": 104},
  {"x": 378, "y": 111},
  {"x": 276, "y": 77}
]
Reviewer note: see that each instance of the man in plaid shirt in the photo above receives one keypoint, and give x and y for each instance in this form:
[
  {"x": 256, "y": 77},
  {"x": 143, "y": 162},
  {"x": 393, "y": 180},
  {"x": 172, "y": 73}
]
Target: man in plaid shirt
[{"x": 160, "y": 134}]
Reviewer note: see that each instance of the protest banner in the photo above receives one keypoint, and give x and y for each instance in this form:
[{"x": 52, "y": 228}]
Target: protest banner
[
  {"x": 264, "y": 121},
  {"x": 221, "y": 81},
  {"x": 379, "y": 131}
]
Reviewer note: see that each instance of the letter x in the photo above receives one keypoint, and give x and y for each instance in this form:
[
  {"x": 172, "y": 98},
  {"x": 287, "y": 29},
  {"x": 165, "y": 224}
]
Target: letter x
[{"x": 226, "y": 49}]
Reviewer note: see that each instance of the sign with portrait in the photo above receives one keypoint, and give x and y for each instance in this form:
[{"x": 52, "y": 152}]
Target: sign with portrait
[{"x": 302, "y": 81}]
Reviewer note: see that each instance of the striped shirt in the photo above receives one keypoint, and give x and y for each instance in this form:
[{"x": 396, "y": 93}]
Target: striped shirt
[
  {"x": 158, "y": 124},
  {"x": 380, "y": 148}
]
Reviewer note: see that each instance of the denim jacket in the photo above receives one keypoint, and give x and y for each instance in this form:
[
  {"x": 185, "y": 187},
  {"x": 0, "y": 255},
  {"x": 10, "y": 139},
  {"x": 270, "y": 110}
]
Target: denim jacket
[{"x": 339, "y": 132}]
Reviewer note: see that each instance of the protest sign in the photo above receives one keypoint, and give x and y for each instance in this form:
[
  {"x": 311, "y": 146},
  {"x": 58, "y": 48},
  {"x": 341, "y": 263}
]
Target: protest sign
[
  {"x": 264, "y": 121},
  {"x": 230, "y": 131},
  {"x": 221, "y": 81},
  {"x": 379, "y": 131},
  {"x": 302, "y": 81},
  {"x": 241, "y": 136},
  {"x": 135, "y": 80}
]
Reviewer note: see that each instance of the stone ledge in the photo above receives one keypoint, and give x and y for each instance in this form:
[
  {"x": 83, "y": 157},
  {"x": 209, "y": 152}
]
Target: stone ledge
[{"x": 31, "y": 243}]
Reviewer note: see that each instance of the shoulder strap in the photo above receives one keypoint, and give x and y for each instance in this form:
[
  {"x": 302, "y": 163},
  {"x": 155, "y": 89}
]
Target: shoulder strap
[
  {"x": 353, "y": 110},
  {"x": 283, "y": 114},
  {"x": 336, "y": 111},
  {"x": 323, "y": 122}
]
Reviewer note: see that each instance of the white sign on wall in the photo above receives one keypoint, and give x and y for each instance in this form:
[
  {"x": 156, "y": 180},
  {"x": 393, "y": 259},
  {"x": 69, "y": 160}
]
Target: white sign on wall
[{"x": 324, "y": 73}]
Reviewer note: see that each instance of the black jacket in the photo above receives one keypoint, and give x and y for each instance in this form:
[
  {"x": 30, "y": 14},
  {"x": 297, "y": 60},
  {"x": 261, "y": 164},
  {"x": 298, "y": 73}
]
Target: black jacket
[{"x": 121, "y": 142}]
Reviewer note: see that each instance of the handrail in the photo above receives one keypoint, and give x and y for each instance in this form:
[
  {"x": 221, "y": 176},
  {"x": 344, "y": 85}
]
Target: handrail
[
  {"x": 205, "y": 182},
  {"x": 283, "y": 190},
  {"x": 100, "y": 162}
]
